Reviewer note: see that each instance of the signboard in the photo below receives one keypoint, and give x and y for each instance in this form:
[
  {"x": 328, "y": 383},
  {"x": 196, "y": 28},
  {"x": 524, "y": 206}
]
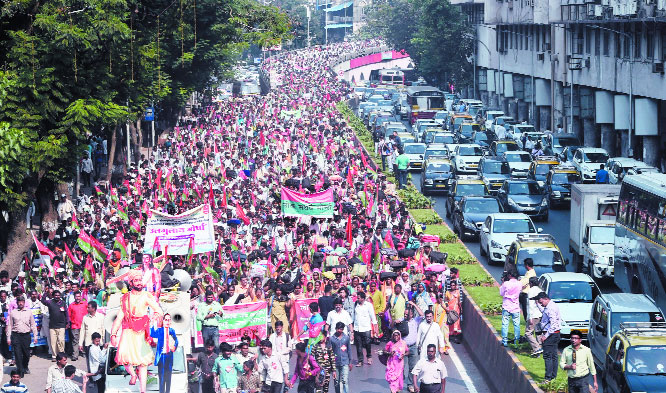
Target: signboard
[
  {"x": 238, "y": 319},
  {"x": 295, "y": 204},
  {"x": 150, "y": 114},
  {"x": 176, "y": 231}
]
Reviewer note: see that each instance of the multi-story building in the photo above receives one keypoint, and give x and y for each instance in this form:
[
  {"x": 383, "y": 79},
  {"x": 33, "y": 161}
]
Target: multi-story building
[
  {"x": 578, "y": 64},
  {"x": 342, "y": 17}
]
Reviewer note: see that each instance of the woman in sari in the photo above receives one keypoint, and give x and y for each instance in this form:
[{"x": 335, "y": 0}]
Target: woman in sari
[
  {"x": 454, "y": 303},
  {"x": 395, "y": 364},
  {"x": 439, "y": 316}
]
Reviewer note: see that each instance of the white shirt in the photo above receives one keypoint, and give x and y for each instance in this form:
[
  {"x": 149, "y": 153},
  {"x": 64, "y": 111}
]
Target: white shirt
[
  {"x": 364, "y": 317},
  {"x": 429, "y": 334},
  {"x": 533, "y": 310},
  {"x": 90, "y": 325},
  {"x": 430, "y": 372},
  {"x": 274, "y": 367},
  {"x": 95, "y": 356},
  {"x": 281, "y": 345},
  {"x": 334, "y": 317},
  {"x": 500, "y": 131}
]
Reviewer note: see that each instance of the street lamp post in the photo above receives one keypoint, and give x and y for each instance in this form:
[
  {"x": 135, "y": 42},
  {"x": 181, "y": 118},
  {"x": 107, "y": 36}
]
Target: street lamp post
[
  {"x": 307, "y": 13},
  {"x": 631, "y": 80}
]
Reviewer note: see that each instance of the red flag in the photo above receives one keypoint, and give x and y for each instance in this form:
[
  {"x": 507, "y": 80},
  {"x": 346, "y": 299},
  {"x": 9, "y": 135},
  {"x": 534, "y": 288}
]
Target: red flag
[
  {"x": 241, "y": 214},
  {"x": 211, "y": 194},
  {"x": 349, "y": 229},
  {"x": 365, "y": 163},
  {"x": 262, "y": 138},
  {"x": 71, "y": 256},
  {"x": 350, "y": 181},
  {"x": 224, "y": 197},
  {"x": 43, "y": 250},
  {"x": 389, "y": 239}
]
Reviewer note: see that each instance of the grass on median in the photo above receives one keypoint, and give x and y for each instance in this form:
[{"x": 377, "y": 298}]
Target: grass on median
[
  {"x": 426, "y": 216},
  {"x": 458, "y": 254}
]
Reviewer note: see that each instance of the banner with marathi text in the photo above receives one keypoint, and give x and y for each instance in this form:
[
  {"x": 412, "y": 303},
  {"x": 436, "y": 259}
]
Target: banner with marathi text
[
  {"x": 176, "y": 231},
  {"x": 295, "y": 204},
  {"x": 303, "y": 313},
  {"x": 237, "y": 319}
]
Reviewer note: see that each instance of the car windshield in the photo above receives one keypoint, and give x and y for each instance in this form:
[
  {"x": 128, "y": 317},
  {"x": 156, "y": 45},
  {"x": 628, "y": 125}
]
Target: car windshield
[
  {"x": 459, "y": 120},
  {"x": 540, "y": 256},
  {"x": 565, "y": 178},
  {"x": 471, "y": 189},
  {"x": 514, "y": 225},
  {"x": 542, "y": 169},
  {"x": 414, "y": 149},
  {"x": 480, "y": 136},
  {"x": 390, "y": 130},
  {"x": 499, "y": 121},
  {"x": 646, "y": 359},
  {"x": 443, "y": 139},
  {"x": 468, "y": 129},
  {"x": 436, "y": 153},
  {"x": 518, "y": 157},
  {"x": 114, "y": 368},
  {"x": 596, "y": 158},
  {"x": 482, "y": 206},
  {"x": 602, "y": 235},
  {"x": 470, "y": 151},
  {"x": 565, "y": 141},
  {"x": 524, "y": 189},
  {"x": 502, "y": 147},
  {"x": 496, "y": 168},
  {"x": 570, "y": 291},
  {"x": 440, "y": 115},
  {"x": 438, "y": 167}
]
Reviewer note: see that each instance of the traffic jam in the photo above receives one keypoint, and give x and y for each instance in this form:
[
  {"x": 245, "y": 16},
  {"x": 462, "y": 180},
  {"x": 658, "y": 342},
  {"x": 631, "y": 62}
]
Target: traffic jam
[{"x": 497, "y": 180}]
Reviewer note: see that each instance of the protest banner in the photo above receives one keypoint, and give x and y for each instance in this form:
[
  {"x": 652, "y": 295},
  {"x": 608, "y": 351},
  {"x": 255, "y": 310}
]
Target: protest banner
[
  {"x": 295, "y": 204},
  {"x": 237, "y": 319},
  {"x": 303, "y": 313},
  {"x": 176, "y": 231}
]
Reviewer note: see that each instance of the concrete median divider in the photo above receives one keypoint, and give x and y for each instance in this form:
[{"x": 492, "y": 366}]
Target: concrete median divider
[{"x": 501, "y": 368}]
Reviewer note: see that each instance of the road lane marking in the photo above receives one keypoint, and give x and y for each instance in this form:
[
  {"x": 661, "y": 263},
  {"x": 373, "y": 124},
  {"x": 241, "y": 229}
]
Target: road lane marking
[{"x": 462, "y": 371}]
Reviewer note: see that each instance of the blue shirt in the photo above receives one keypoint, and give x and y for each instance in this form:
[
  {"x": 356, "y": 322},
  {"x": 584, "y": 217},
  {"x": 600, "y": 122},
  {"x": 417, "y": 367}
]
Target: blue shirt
[
  {"x": 602, "y": 176},
  {"x": 550, "y": 320},
  {"x": 11, "y": 388},
  {"x": 340, "y": 346}
]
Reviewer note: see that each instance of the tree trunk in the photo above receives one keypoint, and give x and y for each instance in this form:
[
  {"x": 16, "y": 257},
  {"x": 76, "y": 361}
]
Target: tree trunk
[
  {"x": 139, "y": 142},
  {"x": 137, "y": 148},
  {"x": 112, "y": 154}
]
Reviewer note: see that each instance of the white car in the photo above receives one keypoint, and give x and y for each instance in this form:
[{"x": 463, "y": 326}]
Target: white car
[
  {"x": 588, "y": 160},
  {"x": 499, "y": 230},
  {"x": 490, "y": 116},
  {"x": 466, "y": 158},
  {"x": 619, "y": 166},
  {"x": 519, "y": 162},
  {"x": 441, "y": 117},
  {"x": 574, "y": 294},
  {"x": 415, "y": 152}
]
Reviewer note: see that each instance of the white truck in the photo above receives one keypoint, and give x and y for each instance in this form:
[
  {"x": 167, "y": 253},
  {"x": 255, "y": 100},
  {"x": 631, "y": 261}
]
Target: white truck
[{"x": 592, "y": 228}]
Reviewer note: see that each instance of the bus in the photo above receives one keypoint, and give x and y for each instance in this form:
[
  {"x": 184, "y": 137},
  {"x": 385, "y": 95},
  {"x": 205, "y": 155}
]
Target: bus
[
  {"x": 392, "y": 77},
  {"x": 640, "y": 237},
  {"x": 423, "y": 102}
]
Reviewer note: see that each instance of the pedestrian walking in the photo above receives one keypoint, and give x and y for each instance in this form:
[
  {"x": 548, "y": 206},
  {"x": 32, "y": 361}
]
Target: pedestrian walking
[
  {"x": 96, "y": 355},
  {"x": 550, "y": 326},
  {"x": 14, "y": 385},
  {"x": 429, "y": 373},
  {"x": 510, "y": 291},
  {"x": 602, "y": 175},
  {"x": 92, "y": 322},
  {"x": 66, "y": 384},
  {"x": 20, "y": 324},
  {"x": 273, "y": 369},
  {"x": 410, "y": 326},
  {"x": 205, "y": 362},
  {"x": 87, "y": 170},
  {"x": 57, "y": 373},
  {"x": 249, "y": 381},
  {"x": 323, "y": 354},
  {"x": 395, "y": 365},
  {"x": 306, "y": 371},
  {"x": 207, "y": 315},
  {"x": 403, "y": 163},
  {"x": 226, "y": 369},
  {"x": 76, "y": 312},
  {"x": 525, "y": 282},
  {"x": 577, "y": 360},
  {"x": 365, "y": 322},
  {"x": 343, "y": 365},
  {"x": 57, "y": 322},
  {"x": 429, "y": 333}
]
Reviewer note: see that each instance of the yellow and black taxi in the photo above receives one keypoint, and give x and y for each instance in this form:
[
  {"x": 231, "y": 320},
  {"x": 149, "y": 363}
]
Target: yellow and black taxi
[
  {"x": 499, "y": 147},
  {"x": 435, "y": 175},
  {"x": 636, "y": 359},
  {"x": 558, "y": 184},
  {"x": 463, "y": 186},
  {"x": 466, "y": 131},
  {"x": 493, "y": 171},
  {"x": 540, "y": 167},
  {"x": 541, "y": 248}
]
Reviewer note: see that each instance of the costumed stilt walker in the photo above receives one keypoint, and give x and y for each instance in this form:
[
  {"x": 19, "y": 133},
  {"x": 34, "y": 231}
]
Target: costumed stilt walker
[{"x": 130, "y": 333}]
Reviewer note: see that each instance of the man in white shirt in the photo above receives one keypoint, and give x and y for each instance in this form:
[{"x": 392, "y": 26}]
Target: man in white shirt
[
  {"x": 533, "y": 316},
  {"x": 339, "y": 314},
  {"x": 274, "y": 371},
  {"x": 96, "y": 355},
  {"x": 364, "y": 323},
  {"x": 281, "y": 341},
  {"x": 429, "y": 333},
  {"x": 500, "y": 131},
  {"x": 92, "y": 323},
  {"x": 430, "y": 372}
]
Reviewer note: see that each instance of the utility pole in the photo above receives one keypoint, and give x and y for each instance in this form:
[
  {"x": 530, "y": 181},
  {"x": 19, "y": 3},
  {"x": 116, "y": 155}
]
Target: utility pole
[
  {"x": 307, "y": 12},
  {"x": 129, "y": 147},
  {"x": 152, "y": 128}
]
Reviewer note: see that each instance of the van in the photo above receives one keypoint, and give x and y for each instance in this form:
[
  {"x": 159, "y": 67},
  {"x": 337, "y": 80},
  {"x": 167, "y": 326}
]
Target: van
[{"x": 612, "y": 309}]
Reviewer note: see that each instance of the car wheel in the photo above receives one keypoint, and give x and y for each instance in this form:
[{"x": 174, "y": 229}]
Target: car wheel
[
  {"x": 448, "y": 213},
  {"x": 424, "y": 191},
  {"x": 545, "y": 218},
  {"x": 481, "y": 250}
]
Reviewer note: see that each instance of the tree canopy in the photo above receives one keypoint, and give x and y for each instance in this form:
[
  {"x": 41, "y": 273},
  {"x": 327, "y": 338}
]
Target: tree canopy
[
  {"x": 75, "y": 68},
  {"x": 433, "y": 32}
]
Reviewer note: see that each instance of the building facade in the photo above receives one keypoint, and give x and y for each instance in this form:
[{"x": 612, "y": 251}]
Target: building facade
[{"x": 578, "y": 64}]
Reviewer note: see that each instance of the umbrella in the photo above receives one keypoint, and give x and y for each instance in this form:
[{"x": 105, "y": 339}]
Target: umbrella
[{"x": 435, "y": 267}]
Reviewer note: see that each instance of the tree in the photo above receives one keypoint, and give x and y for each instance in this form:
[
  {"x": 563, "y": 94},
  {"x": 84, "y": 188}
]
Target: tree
[
  {"x": 433, "y": 32},
  {"x": 80, "y": 68}
]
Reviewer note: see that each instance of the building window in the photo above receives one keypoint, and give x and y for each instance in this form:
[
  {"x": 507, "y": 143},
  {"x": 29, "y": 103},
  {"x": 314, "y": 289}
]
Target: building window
[
  {"x": 577, "y": 41},
  {"x": 638, "y": 38},
  {"x": 618, "y": 45},
  {"x": 606, "y": 43},
  {"x": 649, "y": 43},
  {"x": 588, "y": 41},
  {"x": 627, "y": 45},
  {"x": 597, "y": 43},
  {"x": 663, "y": 45}
]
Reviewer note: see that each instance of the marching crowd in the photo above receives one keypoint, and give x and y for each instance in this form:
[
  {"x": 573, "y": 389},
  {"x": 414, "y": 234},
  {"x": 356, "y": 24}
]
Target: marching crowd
[{"x": 375, "y": 276}]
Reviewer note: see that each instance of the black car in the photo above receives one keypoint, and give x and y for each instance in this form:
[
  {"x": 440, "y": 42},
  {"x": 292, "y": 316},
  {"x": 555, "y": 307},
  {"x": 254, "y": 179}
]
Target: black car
[
  {"x": 435, "y": 176},
  {"x": 558, "y": 185},
  {"x": 483, "y": 138},
  {"x": 524, "y": 196},
  {"x": 493, "y": 171},
  {"x": 471, "y": 212},
  {"x": 459, "y": 188}
]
